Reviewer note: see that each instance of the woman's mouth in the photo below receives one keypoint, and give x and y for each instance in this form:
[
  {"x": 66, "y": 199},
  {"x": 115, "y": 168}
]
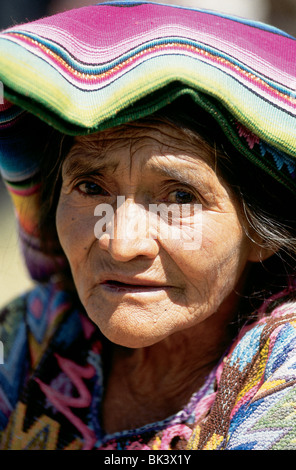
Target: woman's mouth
[{"x": 131, "y": 287}]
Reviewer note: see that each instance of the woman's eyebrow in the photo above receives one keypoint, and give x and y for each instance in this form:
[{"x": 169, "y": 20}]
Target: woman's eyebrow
[
  {"x": 77, "y": 166},
  {"x": 184, "y": 175},
  {"x": 194, "y": 177}
]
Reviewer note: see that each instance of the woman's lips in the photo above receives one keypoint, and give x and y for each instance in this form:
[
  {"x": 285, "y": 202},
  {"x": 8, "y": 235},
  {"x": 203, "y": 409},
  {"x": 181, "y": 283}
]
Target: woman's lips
[{"x": 135, "y": 286}]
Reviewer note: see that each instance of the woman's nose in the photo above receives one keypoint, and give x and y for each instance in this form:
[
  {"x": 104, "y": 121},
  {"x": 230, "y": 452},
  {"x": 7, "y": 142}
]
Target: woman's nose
[{"x": 130, "y": 235}]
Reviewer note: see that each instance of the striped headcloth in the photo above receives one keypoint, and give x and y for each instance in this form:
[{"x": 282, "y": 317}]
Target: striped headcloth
[{"x": 96, "y": 67}]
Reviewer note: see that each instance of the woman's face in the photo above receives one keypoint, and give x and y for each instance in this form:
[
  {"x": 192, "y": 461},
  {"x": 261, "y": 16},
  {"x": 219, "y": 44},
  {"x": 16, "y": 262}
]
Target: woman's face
[{"x": 139, "y": 280}]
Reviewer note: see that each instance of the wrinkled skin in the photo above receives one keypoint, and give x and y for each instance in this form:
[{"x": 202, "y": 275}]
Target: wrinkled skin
[{"x": 168, "y": 305}]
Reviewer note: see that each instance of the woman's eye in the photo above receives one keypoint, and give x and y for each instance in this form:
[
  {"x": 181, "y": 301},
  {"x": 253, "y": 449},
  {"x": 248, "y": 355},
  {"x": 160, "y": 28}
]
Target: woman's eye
[
  {"x": 181, "y": 197},
  {"x": 92, "y": 189}
]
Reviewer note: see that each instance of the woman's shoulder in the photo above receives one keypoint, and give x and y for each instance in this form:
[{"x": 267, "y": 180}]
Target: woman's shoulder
[
  {"x": 269, "y": 333},
  {"x": 264, "y": 358},
  {"x": 13, "y": 329},
  {"x": 13, "y": 337},
  {"x": 34, "y": 310},
  {"x": 26, "y": 325},
  {"x": 256, "y": 388}
]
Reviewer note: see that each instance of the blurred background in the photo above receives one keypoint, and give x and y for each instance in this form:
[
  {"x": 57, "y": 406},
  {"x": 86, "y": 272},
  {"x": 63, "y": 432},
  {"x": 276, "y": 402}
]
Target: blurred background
[{"x": 13, "y": 275}]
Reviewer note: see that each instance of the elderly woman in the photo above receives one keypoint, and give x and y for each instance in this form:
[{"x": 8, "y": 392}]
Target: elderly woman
[{"x": 150, "y": 154}]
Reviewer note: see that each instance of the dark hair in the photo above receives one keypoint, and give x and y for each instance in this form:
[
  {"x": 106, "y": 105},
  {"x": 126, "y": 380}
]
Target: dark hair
[{"x": 265, "y": 203}]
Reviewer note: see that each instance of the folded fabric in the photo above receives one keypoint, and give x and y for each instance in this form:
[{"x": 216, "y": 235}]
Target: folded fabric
[{"x": 95, "y": 67}]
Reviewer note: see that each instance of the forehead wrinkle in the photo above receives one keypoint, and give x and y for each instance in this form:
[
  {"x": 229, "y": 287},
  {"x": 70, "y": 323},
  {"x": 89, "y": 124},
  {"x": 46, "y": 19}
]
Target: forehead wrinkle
[
  {"x": 192, "y": 150},
  {"x": 160, "y": 140},
  {"x": 98, "y": 150},
  {"x": 156, "y": 148}
]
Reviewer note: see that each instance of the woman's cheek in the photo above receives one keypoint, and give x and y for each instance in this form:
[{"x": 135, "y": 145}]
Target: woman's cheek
[
  {"x": 75, "y": 229},
  {"x": 219, "y": 251}
]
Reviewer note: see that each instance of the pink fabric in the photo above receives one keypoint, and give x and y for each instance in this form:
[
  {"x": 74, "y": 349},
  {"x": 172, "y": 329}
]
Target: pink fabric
[{"x": 208, "y": 27}]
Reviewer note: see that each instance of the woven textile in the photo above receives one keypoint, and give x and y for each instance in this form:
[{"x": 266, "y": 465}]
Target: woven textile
[
  {"x": 97, "y": 67},
  {"x": 102, "y": 65},
  {"x": 52, "y": 383}
]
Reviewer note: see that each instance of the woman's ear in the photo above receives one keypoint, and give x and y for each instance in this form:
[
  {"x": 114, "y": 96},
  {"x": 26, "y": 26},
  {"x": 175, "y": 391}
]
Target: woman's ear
[{"x": 259, "y": 251}]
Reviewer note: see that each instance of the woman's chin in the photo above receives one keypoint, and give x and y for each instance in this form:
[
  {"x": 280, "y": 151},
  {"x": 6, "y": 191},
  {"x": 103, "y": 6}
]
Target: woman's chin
[
  {"x": 131, "y": 323},
  {"x": 130, "y": 339},
  {"x": 136, "y": 330}
]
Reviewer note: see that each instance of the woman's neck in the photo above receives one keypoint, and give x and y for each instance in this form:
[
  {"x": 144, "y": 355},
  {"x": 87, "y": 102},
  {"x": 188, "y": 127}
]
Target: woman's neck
[{"x": 149, "y": 384}]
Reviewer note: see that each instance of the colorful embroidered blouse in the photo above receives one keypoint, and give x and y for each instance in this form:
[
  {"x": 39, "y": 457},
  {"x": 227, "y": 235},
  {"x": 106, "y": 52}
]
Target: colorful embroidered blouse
[
  {"x": 52, "y": 384},
  {"x": 94, "y": 68}
]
